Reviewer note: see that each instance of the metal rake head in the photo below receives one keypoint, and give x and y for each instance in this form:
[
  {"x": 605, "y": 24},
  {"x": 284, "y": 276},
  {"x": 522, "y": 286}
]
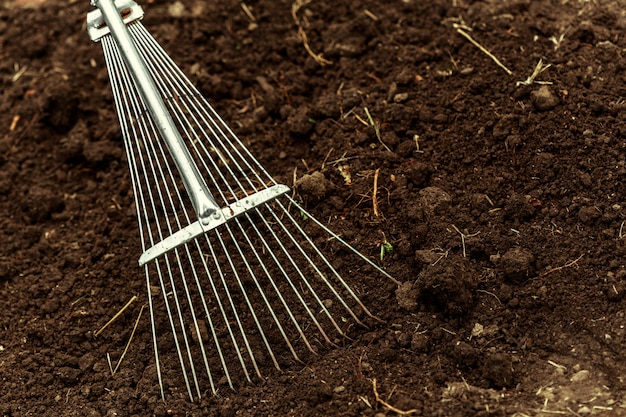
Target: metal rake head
[{"x": 241, "y": 281}]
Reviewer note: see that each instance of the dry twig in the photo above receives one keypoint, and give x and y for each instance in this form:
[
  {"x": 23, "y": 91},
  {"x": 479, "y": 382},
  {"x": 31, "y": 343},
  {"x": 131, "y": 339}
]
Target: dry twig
[
  {"x": 567, "y": 265},
  {"x": 115, "y": 317},
  {"x": 375, "y": 193},
  {"x": 463, "y": 236},
  {"x": 538, "y": 70},
  {"x": 376, "y": 128},
  {"x": 482, "y": 48},
  {"x": 318, "y": 57},
  {"x": 389, "y": 406},
  {"x": 14, "y": 122},
  {"x": 130, "y": 339}
]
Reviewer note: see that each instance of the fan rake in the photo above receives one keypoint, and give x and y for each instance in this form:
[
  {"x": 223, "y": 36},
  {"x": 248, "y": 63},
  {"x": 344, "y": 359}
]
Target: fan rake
[{"x": 233, "y": 261}]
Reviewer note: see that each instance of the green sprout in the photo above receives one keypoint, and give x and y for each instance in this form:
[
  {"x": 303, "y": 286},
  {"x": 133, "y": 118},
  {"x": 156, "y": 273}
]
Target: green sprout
[{"x": 385, "y": 249}]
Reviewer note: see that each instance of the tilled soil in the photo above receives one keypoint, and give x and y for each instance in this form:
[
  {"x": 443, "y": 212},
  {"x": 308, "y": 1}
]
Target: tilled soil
[{"x": 499, "y": 193}]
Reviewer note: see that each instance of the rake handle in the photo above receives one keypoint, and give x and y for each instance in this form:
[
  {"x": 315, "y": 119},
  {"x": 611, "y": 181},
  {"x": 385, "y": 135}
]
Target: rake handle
[{"x": 201, "y": 198}]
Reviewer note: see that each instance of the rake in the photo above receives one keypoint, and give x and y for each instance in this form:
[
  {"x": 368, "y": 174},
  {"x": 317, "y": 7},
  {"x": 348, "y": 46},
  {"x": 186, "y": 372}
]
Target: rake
[{"x": 233, "y": 261}]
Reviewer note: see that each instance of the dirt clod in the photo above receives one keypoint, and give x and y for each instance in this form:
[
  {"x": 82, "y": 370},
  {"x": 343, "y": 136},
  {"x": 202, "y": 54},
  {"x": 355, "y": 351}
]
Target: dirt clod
[
  {"x": 407, "y": 296},
  {"x": 448, "y": 286},
  {"x": 518, "y": 265},
  {"x": 498, "y": 370},
  {"x": 434, "y": 200},
  {"x": 314, "y": 185},
  {"x": 544, "y": 99}
]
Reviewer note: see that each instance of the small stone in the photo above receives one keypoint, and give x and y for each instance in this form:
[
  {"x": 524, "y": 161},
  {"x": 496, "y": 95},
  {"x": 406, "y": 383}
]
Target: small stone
[
  {"x": 427, "y": 256},
  {"x": 400, "y": 97},
  {"x": 101, "y": 152},
  {"x": 584, "y": 410},
  {"x": 544, "y": 99},
  {"x": 86, "y": 361},
  {"x": 67, "y": 374},
  {"x": 50, "y": 306},
  {"x": 176, "y": 9},
  {"x": 498, "y": 371},
  {"x": 404, "y": 339},
  {"x": 299, "y": 124},
  {"x": 519, "y": 207},
  {"x": 477, "y": 330},
  {"x": 588, "y": 214},
  {"x": 580, "y": 376},
  {"x": 339, "y": 389},
  {"x": 466, "y": 355},
  {"x": 419, "y": 173}
]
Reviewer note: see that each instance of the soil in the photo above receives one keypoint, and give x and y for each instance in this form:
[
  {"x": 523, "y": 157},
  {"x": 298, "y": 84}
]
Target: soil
[{"x": 500, "y": 196}]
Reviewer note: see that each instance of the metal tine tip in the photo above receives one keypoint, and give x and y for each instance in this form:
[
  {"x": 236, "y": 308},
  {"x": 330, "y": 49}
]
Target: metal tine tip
[{"x": 239, "y": 295}]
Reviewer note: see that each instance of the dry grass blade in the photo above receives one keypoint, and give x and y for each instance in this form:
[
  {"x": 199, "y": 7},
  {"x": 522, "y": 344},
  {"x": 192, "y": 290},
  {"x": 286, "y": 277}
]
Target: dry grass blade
[
  {"x": 318, "y": 57},
  {"x": 116, "y": 316},
  {"x": 482, "y": 48},
  {"x": 389, "y": 406}
]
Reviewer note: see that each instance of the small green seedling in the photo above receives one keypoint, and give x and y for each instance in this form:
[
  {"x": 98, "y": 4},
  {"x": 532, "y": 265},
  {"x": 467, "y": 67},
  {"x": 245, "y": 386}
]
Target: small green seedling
[{"x": 385, "y": 248}]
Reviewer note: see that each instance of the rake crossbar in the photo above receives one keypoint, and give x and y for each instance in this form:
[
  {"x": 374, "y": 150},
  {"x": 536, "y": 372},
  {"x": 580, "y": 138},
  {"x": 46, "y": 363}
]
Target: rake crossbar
[
  {"x": 198, "y": 228},
  {"x": 235, "y": 268}
]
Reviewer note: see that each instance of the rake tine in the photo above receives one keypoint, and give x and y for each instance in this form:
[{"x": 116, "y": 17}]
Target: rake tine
[
  {"x": 131, "y": 104},
  {"x": 228, "y": 327},
  {"x": 113, "y": 64},
  {"x": 289, "y": 281},
  {"x": 232, "y": 304},
  {"x": 262, "y": 293}
]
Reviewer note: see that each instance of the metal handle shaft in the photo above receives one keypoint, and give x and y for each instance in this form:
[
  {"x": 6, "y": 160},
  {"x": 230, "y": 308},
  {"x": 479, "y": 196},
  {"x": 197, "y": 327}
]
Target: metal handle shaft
[{"x": 203, "y": 202}]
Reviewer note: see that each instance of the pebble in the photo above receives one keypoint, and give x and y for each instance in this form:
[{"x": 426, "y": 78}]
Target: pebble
[
  {"x": 580, "y": 376},
  {"x": 477, "y": 330},
  {"x": 400, "y": 97},
  {"x": 176, "y": 10}
]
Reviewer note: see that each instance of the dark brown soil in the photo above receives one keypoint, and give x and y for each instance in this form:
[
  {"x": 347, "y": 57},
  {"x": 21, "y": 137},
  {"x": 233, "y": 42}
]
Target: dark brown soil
[{"x": 503, "y": 201}]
